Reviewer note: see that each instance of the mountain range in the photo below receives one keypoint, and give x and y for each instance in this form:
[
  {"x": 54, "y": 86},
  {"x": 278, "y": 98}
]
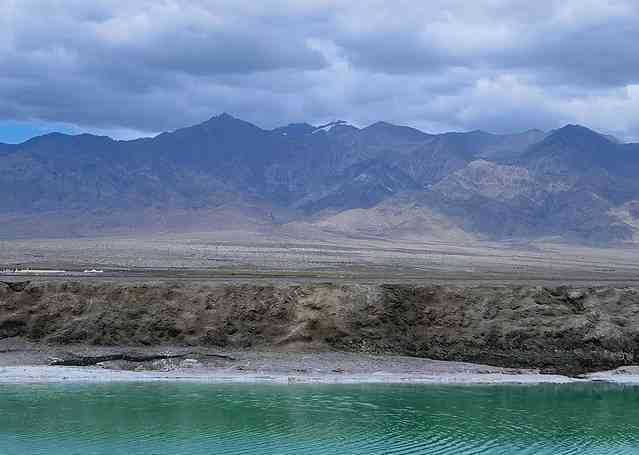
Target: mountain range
[{"x": 385, "y": 180}]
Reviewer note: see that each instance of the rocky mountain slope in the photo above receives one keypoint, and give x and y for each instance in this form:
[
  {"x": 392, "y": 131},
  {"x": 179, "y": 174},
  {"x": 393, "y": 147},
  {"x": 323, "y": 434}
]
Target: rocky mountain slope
[{"x": 571, "y": 183}]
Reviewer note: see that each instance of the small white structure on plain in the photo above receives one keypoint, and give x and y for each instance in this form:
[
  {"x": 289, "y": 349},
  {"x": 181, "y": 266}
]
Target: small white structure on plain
[
  {"x": 94, "y": 271},
  {"x": 38, "y": 271}
]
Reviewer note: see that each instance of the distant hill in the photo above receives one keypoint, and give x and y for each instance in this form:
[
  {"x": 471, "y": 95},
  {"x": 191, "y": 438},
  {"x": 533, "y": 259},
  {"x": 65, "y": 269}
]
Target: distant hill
[{"x": 572, "y": 183}]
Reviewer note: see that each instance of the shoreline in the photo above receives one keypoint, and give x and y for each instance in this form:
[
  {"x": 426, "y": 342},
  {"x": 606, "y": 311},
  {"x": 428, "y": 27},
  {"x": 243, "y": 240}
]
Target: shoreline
[
  {"x": 93, "y": 375},
  {"x": 28, "y": 363},
  {"x": 32, "y": 375}
]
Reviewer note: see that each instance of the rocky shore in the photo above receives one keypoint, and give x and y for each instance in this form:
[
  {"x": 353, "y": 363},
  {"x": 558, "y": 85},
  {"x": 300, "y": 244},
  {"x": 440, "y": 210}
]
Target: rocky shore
[{"x": 519, "y": 331}]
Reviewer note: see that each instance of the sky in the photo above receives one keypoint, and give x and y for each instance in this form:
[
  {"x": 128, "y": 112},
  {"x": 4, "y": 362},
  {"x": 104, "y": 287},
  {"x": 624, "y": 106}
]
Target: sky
[{"x": 134, "y": 68}]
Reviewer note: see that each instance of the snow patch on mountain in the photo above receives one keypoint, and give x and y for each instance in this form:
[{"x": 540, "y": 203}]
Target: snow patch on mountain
[{"x": 330, "y": 126}]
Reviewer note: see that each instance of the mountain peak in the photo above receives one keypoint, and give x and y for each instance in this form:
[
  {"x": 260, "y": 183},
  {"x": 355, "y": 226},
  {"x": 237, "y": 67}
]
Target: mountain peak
[
  {"x": 396, "y": 132},
  {"x": 573, "y": 147},
  {"x": 378, "y": 125},
  {"x": 577, "y": 135},
  {"x": 573, "y": 128},
  {"x": 224, "y": 120},
  {"x": 49, "y": 138},
  {"x": 221, "y": 118},
  {"x": 225, "y": 116}
]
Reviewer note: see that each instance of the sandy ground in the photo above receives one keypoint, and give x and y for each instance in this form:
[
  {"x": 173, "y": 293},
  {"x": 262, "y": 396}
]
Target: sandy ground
[{"x": 23, "y": 363}]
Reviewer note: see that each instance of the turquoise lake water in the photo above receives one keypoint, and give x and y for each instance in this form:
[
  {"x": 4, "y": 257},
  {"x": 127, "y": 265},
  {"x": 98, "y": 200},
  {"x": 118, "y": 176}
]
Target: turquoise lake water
[{"x": 113, "y": 419}]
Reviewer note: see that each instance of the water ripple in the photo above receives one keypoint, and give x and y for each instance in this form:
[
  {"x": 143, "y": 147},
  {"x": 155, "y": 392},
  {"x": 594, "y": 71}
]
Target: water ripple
[{"x": 318, "y": 420}]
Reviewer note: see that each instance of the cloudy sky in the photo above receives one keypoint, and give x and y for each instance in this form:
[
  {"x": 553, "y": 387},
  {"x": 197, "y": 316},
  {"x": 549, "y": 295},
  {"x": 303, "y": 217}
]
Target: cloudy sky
[{"x": 129, "y": 68}]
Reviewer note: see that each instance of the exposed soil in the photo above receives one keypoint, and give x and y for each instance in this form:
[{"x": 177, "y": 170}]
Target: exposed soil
[{"x": 559, "y": 330}]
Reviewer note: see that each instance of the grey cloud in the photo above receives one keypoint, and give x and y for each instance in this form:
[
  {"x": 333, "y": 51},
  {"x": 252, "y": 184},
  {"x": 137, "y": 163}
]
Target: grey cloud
[
  {"x": 396, "y": 53},
  {"x": 605, "y": 54},
  {"x": 602, "y": 53},
  {"x": 150, "y": 66}
]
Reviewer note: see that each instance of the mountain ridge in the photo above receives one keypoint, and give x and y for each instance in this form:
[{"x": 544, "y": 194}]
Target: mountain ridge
[{"x": 493, "y": 186}]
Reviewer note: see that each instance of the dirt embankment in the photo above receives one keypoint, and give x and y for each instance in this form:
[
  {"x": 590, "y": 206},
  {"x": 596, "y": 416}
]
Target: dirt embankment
[{"x": 560, "y": 330}]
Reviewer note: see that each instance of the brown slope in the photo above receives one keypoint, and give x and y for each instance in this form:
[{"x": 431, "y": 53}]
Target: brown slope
[{"x": 559, "y": 329}]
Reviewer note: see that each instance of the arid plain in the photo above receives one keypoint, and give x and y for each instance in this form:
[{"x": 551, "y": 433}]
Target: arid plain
[{"x": 238, "y": 255}]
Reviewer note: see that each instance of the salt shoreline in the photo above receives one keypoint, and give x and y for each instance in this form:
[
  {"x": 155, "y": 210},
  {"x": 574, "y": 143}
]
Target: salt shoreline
[
  {"x": 24, "y": 362},
  {"x": 58, "y": 375}
]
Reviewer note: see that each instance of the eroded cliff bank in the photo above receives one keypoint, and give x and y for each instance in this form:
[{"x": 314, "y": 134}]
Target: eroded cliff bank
[{"x": 559, "y": 330}]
